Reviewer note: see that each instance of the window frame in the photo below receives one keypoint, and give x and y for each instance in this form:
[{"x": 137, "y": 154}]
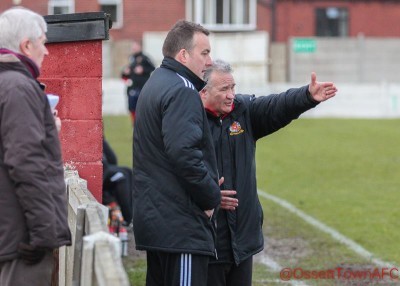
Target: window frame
[
  {"x": 342, "y": 20},
  {"x": 195, "y": 12},
  {"x": 119, "y": 11},
  {"x": 70, "y": 4}
]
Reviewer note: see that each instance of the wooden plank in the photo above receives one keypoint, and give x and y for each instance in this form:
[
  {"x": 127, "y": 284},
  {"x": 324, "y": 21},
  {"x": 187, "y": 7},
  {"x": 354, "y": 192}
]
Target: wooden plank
[
  {"x": 94, "y": 221},
  {"x": 107, "y": 264},
  {"x": 79, "y": 232},
  {"x": 62, "y": 267},
  {"x": 87, "y": 269},
  {"x": 95, "y": 258}
]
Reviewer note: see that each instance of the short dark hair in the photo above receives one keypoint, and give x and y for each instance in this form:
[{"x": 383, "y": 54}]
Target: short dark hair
[{"x": 181, "y": 37}]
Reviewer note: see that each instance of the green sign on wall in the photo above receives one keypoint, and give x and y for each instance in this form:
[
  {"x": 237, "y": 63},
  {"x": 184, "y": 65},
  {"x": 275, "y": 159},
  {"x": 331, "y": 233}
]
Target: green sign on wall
[{"x": 304, "y": 45}]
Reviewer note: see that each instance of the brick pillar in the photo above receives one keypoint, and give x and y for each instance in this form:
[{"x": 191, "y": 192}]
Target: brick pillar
[{"x": 73, "y": 70}]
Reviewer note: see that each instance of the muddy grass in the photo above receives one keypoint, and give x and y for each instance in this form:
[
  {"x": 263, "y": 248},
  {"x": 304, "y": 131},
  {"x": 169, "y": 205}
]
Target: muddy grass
[{"x": 285, "y": 252}]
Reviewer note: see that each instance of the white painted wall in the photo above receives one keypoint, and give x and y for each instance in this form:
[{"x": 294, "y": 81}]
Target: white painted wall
[
  {"x": 352, "y": 101},
  {"x": 246, "y": 52},
  {"x": 358, "y": 67}
]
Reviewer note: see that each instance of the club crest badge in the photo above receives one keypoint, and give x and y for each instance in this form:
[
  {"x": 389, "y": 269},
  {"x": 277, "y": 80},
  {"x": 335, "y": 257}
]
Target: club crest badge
[{"x": 235, "y": 128}]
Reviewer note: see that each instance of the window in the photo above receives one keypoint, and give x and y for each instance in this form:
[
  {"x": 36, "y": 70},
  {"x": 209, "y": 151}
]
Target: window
[
  {"x": 61, "y": 7},
  {"x": 223, "y": 15},
  {"x": 332, "y": 22},
  {"x": 114, "y": 8}
]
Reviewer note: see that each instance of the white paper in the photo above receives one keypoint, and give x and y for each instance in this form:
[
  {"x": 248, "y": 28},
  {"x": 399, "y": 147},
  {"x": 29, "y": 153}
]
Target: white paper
[{"x": 53, "y": 100}]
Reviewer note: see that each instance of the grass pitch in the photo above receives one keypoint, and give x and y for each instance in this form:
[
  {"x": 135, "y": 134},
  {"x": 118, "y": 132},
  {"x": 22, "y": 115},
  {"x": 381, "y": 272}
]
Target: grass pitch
[{"x": 343, "y": 172}]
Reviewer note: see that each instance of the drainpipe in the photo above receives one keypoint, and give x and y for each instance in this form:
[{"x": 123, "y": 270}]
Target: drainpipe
[
  {"x": 271, "y": 5},
  {"x": 273, "y": 20}
]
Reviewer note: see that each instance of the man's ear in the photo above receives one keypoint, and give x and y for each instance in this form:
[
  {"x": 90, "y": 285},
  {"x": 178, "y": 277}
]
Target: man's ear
[
  {"x": 25, "y": 47},
  {"x": 203, "y": 93},
  {"x": 182, "y": 56}
]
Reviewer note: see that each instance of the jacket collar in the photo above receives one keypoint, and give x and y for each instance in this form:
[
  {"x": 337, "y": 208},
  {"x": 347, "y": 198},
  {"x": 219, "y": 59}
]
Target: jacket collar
[
  {"x": 237, "y": 109},
  {"x": 28, "y": 63},
  {"x": 214, "y": 114},
  {"x": 176, "y": 66}
]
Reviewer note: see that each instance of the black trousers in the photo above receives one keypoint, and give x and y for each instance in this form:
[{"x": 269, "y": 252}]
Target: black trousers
[
  {"x": 176, "y": 269},
  {"x": 119, "y": 190},
  {"x": 230, "y": 274}
]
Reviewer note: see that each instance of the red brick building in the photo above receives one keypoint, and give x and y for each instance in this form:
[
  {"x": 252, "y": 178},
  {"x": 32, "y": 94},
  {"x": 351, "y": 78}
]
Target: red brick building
[
  {"x": 373, "y": 18},
  {"x": 280, "y": 18}
]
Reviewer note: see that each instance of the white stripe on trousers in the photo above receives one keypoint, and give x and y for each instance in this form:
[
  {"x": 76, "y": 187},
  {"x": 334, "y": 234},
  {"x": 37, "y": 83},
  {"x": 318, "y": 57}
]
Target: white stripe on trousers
[{"x": 186, "y": 269}]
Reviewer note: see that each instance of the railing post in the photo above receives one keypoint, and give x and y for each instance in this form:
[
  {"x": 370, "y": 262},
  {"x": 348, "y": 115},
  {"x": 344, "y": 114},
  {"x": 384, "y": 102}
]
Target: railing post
[{"x": 95, "y": 256}]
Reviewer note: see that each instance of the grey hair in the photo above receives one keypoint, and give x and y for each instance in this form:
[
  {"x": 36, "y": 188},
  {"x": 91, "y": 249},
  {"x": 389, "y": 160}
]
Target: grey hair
[
  {"x": 217, "y": 66},
  {"x": 17, "y": 24}
]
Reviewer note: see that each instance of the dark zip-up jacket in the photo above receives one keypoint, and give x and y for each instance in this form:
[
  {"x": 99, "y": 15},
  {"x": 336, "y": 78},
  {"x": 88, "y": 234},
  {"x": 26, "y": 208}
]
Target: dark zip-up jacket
[
  {"x": 239, "y": 232},
  {"x": 138, "y": 80},
  {"x": 175, "y": 170},
  {"x": 33, "y": 199}
]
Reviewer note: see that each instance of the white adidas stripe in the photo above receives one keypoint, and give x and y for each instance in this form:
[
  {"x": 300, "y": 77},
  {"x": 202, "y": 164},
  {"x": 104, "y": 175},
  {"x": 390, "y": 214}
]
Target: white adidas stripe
[
  {"x": 186, "y": 269},
  {"x": 186, "y": 82}
]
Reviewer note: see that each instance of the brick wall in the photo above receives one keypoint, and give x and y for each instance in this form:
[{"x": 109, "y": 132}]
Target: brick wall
[
  {"x": 294, "y": 18},
  {"x": 39, "y": 6},
  {"x": 144, "y": 15},
  {"x": 74, "y": 71},
  {"x": 375, "y": 19},
  {"x": 87, "y": 6},
  {"x": 371, "y": 18}
]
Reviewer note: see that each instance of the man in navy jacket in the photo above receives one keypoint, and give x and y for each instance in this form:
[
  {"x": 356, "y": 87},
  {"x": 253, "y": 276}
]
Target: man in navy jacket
[
  {"x": 175, "y": 174},
  {"x": 237, "y": 122}
]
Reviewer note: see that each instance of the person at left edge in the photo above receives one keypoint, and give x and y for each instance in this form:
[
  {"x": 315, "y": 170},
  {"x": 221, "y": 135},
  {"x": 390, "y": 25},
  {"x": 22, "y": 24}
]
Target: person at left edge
[{"x": 33, "y": 199}]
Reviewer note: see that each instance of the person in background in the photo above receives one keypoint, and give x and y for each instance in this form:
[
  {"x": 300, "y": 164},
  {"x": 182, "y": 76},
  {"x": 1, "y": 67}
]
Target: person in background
[
  {"x": 135, "y": 74},
  {"x": 33, "y": 199},
  {"x": 117, "y": 185},
  {"x": 175, "y": 177},
  {"x": 237, "y": 121}
]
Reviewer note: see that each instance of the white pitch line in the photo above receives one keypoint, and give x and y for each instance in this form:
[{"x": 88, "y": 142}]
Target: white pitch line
[
  {"x": 274, "y": 266},
  {"x": 332, "y": 232},
  {"x": 269, "y": 262}
]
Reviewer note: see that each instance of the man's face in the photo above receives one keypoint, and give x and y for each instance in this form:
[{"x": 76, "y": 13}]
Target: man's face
[
  {"x": 199, "y": 57},
  {"x": 219, "y": 93},
  {"x": 36, "y": 50},
  {"x": 136, "y": 48}
]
